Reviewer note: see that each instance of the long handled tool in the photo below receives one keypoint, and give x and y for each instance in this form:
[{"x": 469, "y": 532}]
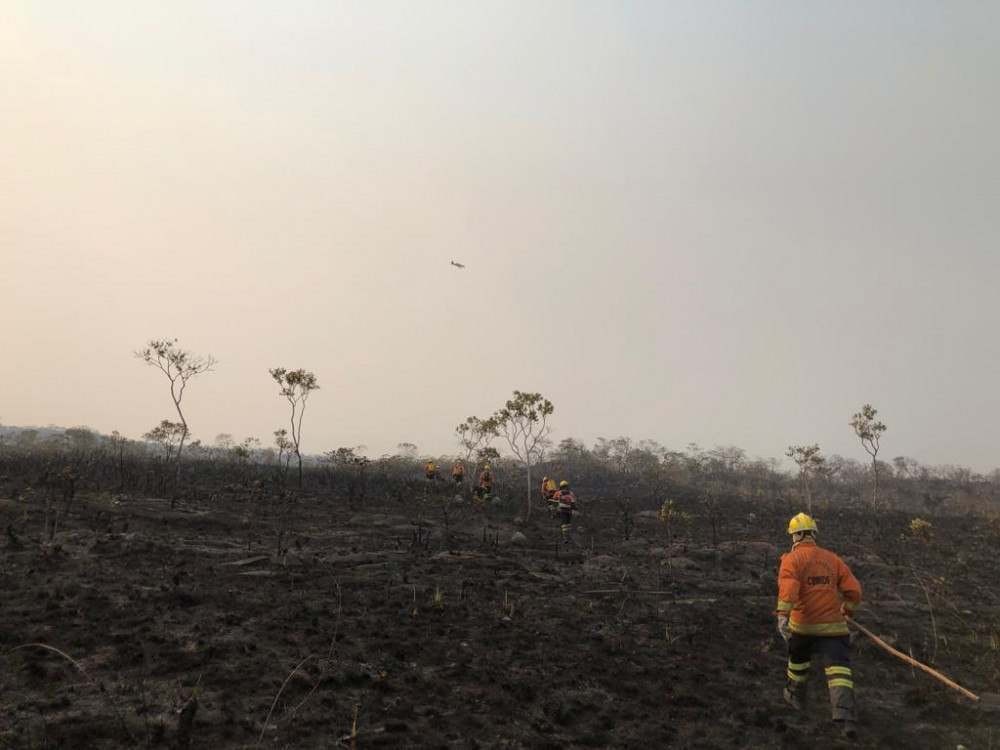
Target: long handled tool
[{"x": 910, "y": 660}]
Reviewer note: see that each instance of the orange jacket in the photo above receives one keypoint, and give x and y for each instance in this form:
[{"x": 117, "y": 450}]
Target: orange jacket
[
  {"x": 458, "y": 470},
  {"x": 813, "y": 585},
  {"x": 486, "y": 480}
]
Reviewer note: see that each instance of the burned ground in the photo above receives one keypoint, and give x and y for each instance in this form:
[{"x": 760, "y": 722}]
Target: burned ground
[{"x": 386, "y": 622}]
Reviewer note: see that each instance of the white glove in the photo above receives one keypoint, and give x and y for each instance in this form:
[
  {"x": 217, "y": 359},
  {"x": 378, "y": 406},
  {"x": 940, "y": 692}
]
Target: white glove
[{"x": 783, "y": 629}]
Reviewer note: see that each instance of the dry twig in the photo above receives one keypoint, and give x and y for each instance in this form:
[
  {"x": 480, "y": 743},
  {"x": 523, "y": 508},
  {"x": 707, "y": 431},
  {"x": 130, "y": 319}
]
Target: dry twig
[
  {"x": 79, "y": 667},
  {"x": 276, "y": 697}
]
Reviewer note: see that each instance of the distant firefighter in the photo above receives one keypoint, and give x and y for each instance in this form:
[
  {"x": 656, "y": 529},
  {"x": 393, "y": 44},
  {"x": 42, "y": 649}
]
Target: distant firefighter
[
  {"x": 485, "y": 486},
  {"x": 458, "y": 472},
  {"x": 431, "y": 470},
  {"x": 566, "y": 505}
]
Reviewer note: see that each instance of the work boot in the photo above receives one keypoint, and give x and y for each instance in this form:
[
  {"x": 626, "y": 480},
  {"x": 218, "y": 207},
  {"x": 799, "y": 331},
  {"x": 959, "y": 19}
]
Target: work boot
[
  {"x": 842, "y": 703},
  {"x": 849, "y": 729},
  {"x": 793, "y": 699}
]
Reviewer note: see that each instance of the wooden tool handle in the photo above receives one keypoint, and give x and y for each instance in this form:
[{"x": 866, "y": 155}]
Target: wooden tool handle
[{"x": 910, "y": 660}]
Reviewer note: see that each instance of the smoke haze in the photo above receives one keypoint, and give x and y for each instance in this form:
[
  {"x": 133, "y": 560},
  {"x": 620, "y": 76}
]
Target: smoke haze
[{"x": 722, "y": 223}]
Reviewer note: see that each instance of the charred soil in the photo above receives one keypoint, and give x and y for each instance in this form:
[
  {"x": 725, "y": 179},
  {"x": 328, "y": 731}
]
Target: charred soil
[{"x": 429, "y": 625}]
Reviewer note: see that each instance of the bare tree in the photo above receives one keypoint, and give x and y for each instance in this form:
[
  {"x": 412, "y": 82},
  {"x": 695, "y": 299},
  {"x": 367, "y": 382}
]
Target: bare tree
[
  {"x": 869, "y": 430},
  {"x": 523, "y": 421},
  {"x": 179, "y": 366},
  {"x": 810, "y": 462},
  {"x": 118, "y": 445},
  {"x": 296, "y": 385}
]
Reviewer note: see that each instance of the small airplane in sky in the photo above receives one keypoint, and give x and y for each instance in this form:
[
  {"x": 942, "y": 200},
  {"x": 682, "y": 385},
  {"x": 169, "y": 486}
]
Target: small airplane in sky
[{"x": 457, "y": 265}]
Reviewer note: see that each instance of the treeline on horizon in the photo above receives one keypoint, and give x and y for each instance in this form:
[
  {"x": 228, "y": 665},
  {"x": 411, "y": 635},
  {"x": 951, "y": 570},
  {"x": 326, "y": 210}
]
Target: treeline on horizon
[{"x": 644, "y": 471}]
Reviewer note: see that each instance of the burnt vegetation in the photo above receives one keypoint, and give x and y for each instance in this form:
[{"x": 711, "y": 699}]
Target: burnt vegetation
[{"x": 229, "y": 603}]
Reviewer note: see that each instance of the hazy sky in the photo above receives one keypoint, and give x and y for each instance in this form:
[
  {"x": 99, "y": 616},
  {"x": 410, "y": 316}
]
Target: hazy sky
[{"x": 727, "y": 223}]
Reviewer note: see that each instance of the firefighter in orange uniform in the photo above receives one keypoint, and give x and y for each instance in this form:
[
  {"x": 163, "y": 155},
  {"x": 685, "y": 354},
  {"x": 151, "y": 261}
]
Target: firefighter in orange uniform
[
  {"x": 565, "y": 502},
  {"x": 485, "y": 488},
  {"x": 816, "y": 590}
]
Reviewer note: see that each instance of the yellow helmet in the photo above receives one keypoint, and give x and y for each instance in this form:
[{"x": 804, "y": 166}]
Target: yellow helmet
[
  {"x": 802, "y": 522},
  {"x": 564, "y": 483}
]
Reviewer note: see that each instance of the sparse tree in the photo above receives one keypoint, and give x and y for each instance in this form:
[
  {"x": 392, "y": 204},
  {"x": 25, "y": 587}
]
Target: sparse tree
[
  {"x": 224, "y": 441},
  {"x": 341, "y": 457},
  {"x": 869, "y": 430},
  {"x": 614, "y": 454},
  {"x": 26, "y": 439},
  {"x": 811, "y": 463},
  {"x": 352, "y": 463},
  {"x": 167, "y": 435},
  {"x": 284, "y": 446},
  {"x": 296, "y": 385},
  {"x": 81, "y": 438},
  {"x": 653, "y": 447},
  {"x": 245, "y": 450},
  {"x": 696, "y": 460},
  {"x": 643, "y": 464},
  {"x": 407, "y": 450},
  {"x": 571, "y": 456},
  {"x": 488, "y": 455},
  {"x": 56, "y": 441},
  {"x": 179, "y": 366},
  {"x": 523, "y": 421}
]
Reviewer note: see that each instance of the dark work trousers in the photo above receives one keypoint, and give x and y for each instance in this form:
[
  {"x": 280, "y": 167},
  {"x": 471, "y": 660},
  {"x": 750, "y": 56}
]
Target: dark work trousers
[
  {"x": 835, "y": 652},
  {"x": 566, "y": 519}
]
